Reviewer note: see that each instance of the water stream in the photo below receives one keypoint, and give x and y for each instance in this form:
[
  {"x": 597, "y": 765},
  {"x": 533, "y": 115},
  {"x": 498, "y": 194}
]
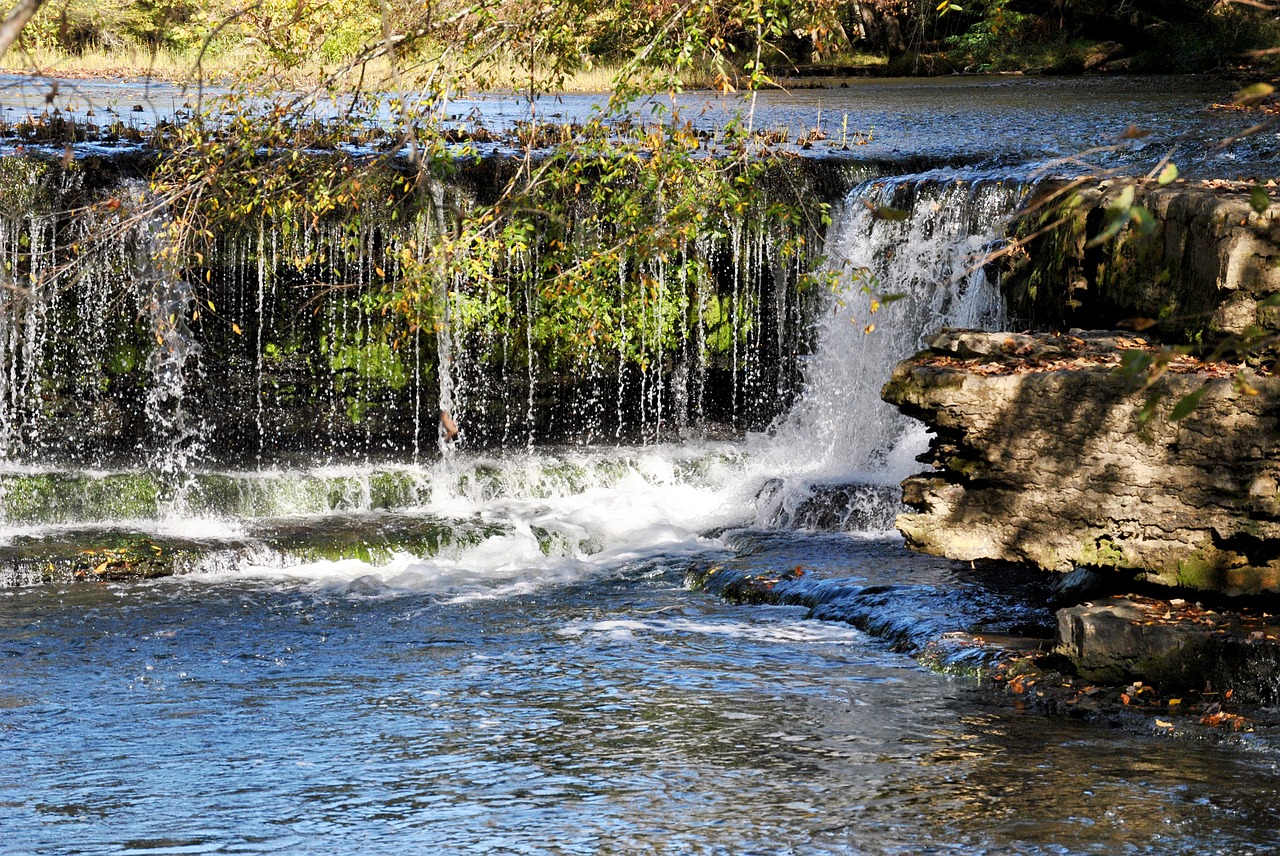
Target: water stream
[{"x": 495, "y": 651}]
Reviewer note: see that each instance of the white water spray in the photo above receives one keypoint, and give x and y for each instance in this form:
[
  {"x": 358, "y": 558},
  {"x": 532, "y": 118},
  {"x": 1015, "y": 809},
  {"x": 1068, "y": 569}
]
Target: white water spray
[{"x": 921, "y": 241}]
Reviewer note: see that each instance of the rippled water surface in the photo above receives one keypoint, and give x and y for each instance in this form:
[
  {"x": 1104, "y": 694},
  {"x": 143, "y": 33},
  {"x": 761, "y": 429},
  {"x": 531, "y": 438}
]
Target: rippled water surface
[
  {"x": 952, "y": 120},
  {"x": 618, "y": 713},
  {"x": 500, "y": 655}
]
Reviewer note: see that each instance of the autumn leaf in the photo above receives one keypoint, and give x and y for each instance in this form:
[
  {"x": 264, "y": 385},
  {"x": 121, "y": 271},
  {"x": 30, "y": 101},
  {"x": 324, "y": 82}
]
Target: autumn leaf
[{"x": 1253, "y": 95}]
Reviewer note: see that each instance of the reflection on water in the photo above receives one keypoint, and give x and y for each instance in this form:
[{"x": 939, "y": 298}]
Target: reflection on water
[{"x": 616, "y": 714}]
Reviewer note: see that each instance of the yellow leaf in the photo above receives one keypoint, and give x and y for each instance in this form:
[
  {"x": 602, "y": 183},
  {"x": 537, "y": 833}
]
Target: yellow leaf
[
  {"x": 235, "y": 328},
  {"x": 1164, "y": 723}
]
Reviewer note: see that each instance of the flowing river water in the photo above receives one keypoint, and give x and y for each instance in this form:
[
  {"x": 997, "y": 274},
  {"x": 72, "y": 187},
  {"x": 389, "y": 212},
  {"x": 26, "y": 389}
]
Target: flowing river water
[{"x": 542, "y": 679}]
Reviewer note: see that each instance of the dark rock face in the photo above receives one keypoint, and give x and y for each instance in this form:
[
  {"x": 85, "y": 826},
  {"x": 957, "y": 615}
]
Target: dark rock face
[
  {"x": 1042, "y": 458},
  {"x": 1207, "y": 267}
]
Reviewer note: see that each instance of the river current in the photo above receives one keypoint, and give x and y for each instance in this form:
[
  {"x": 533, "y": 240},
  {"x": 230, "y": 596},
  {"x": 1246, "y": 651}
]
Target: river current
[{"x": 544, "y": 679}]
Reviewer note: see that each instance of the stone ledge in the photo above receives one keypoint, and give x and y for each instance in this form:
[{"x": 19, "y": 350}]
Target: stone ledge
[
  {"x": 1174, "y": 645},
  {"x": 1042, "y": 456}
]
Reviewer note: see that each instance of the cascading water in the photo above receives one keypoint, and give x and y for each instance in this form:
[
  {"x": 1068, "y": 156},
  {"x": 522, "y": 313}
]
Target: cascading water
[
  {"x": 178, "y": 432},
  {"x": 909, "y": 254},
  {"x": 832, "y": 462},
  {"x": 365, "y": 644}
]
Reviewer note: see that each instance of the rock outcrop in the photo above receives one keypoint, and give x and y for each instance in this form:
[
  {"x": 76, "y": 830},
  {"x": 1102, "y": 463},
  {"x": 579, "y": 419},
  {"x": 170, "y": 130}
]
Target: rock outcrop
[
  {"x": 1049, "y": 453},
  {"x": 1205, "y": 268}
]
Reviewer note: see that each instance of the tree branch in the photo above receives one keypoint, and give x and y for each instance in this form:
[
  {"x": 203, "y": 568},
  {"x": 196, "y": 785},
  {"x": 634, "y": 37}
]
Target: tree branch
[{"x": 15, "y": 21}]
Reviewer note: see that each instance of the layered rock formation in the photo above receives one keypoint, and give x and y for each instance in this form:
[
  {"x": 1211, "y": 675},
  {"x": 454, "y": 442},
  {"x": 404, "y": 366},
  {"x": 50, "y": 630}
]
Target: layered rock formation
[
  {"x": 1047, "y": 453},
  {"x": 1205, "y": 269}
]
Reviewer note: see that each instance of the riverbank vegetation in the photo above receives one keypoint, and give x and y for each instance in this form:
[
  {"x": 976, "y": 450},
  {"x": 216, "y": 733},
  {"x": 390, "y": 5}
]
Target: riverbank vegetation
[{"x": 220, "y": 39}]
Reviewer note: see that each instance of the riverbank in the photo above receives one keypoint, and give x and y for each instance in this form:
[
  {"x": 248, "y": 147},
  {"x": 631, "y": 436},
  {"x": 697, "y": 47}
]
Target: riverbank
[{"x": 1012, "y": 650}]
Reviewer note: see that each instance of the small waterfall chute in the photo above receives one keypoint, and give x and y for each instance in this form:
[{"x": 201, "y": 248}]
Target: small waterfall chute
[{"x": 928, "y": 255}]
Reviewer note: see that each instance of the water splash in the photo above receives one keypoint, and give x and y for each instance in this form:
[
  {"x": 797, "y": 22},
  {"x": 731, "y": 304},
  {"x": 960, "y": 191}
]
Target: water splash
[
  {"x": 831, "y": 463},
  {"x": 930, "y": 257},
  {"x": 179, "y": 433}
]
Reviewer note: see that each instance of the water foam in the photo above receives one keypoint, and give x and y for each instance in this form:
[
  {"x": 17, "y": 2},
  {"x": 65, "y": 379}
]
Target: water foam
[{"x": 554, "y": 516}]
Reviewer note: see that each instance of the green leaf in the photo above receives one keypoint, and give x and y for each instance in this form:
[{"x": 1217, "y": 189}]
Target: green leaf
[
  {"x": 1115, "y": 222},
  {"x": 884, "y": 212},
  {"x": 1186, "y": 404},
  {"x": 1142, "y": 219},
  {"x": 1124, "y": 200},
  {"x": 1133, "y": 363},
  {"x": 1168, "y": 175},
  {"x": 1253, "y": 94},
  {"x": 1258, "y": 199}
]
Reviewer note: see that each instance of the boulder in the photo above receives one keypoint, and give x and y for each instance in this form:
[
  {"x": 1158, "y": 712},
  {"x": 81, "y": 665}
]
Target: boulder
[{"x": 1174, "y": 645}]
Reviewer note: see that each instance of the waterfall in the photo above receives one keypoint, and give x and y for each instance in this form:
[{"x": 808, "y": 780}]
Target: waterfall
[
  {"x": 125, "y": 407},
  {"x": 178, "y": 433},
  {"x": 921, "y": 240}
]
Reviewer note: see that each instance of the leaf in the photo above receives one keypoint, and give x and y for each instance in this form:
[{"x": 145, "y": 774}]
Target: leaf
[
  {"x": 235, "y": 328},
  {"x": 1133, "y": 132},
  {"x": 1115, "y": 223},
  {"x": 1164, "y": 723},
  {"x": 1168, "y": 175},
  {"x": 1240, "y": 383},
  {"x": 1137, "y": 325},
  {"x": 1258, "y": 199},
  {"x": 1142, "y": 218},
  {"x": 1253, "y": 95},
  {"x": 1134, "y": 362},
  {"x": 1186, "y": 404},
  {"x": 1124, "y": 200},
  {"x": 884, "y": 212}
]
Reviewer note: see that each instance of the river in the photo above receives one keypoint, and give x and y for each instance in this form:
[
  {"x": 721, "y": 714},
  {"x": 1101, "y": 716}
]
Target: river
[{"x": 542, "y": 679}]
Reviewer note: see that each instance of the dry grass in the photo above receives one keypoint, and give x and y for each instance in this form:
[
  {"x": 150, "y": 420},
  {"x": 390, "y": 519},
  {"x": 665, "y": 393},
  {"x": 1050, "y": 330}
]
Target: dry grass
[{"x": 136, "y": 63}]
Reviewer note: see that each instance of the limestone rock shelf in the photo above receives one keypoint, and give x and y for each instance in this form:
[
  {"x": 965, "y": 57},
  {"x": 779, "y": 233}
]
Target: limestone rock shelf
[{"x": 1042, "y": 457}]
